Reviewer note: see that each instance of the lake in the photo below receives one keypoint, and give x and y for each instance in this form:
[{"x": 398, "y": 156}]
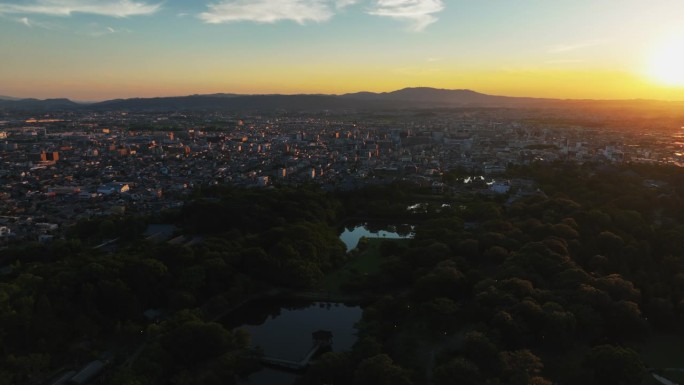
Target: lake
[
  {"x": 351, "y": 237},
  {"x": 282, "y": 329}
]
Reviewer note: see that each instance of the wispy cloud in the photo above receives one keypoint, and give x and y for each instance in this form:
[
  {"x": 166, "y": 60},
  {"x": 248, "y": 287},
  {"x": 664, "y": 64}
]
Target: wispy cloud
[
  {"x": 114, "y": 8},
  {"x": 271, "y": 11},
  {"x": 33, "y": 23},
  {"x": 562, "y": 48},
  {"x": 418, "y": 13},
  {"x": 97, "y": 30}
]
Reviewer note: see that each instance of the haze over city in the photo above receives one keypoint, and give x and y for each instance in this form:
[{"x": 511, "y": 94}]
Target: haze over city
[{"x": 96, "y": 50}]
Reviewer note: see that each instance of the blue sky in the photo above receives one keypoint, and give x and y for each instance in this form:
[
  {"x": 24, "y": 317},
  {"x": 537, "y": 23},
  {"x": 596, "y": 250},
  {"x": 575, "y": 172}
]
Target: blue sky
[{"x": 88, "y": 49}]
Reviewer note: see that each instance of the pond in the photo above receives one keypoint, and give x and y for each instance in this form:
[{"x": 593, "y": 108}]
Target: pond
[
  {"x": 282, "y": 329},
  {"x": 351, "y": 236}
]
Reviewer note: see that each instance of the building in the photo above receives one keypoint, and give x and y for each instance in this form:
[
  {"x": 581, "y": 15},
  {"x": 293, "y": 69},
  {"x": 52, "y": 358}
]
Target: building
[
  {"x": 113, "y": 187},
  {"x": 262, "y": 181},
  {"x": 49, "y": 156}
]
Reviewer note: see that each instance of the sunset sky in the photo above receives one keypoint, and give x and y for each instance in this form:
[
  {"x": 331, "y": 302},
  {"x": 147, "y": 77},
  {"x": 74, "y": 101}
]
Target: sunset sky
[{"x": 101, "y": 49}]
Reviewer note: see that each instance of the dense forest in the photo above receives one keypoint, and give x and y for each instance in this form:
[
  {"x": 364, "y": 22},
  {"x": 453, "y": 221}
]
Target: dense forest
[{"x": 563, "y": 285}]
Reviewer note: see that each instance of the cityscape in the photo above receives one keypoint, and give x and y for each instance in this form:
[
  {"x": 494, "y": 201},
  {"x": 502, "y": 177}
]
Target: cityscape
[
  {"x": 341, "y": 192},
  {"x": 59, "y": 168}
]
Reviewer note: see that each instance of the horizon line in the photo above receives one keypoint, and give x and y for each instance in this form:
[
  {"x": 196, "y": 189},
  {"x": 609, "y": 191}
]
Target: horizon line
[{"x": 13, "y": 98}]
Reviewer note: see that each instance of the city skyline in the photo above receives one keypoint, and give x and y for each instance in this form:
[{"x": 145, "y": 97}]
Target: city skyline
[{"x": 96, "y": 50}]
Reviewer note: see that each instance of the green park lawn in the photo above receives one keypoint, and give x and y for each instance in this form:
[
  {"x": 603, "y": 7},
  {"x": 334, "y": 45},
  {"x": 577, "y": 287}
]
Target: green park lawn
[
  {"x": 366, "y": 262},
  {"x": 664, "y": 351}
]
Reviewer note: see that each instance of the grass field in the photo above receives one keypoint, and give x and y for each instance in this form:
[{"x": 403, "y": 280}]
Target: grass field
[
  {"x": 367, "y": 262},
  {"x": 664, "y": 351}
]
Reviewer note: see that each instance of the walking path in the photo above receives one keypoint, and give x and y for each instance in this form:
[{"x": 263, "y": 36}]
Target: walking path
[
  {"x": 663, "y": 380},
  {"x": 293, "y": 365}
]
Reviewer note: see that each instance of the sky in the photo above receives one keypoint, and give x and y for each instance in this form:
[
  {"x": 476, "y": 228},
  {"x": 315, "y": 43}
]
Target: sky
[{"x": 573, "y": 49}]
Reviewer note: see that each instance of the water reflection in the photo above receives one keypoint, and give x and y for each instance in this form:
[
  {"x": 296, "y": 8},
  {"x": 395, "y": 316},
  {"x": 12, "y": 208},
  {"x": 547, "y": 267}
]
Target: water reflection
[
  {"x": 351, "y": 235},
  {"x": 283, "y": 330}
]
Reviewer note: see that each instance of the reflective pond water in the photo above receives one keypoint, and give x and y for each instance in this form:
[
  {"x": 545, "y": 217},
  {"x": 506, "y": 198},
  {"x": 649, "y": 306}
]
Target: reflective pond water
[
  {"x": 283, "y": 330},
  {"x": 351, "y": 236}
]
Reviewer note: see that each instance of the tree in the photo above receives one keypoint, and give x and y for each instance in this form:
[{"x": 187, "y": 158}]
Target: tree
[
  {"x": 196, "y": 341},
  {"x": 496, "y": 254},
  {"x": 457, "y": 371},
  {"x": 444, "y": 281},
  {"x": 366, "y": 347},
  {"x": 520, "y": 366},
  {"x": 380, "y": 370},
  {"x": 440, "y": 314},
  {"x": 626, "y": 322},
  {"x": 480, "y": 350},
  {"x": 331, "y": 368},
  {"x": 618, "y": 288}
]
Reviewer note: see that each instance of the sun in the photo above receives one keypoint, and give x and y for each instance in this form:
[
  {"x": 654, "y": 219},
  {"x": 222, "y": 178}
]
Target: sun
[{"x": 667, "y": 63}]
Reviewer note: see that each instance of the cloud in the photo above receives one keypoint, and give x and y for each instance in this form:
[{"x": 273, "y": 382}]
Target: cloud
[
  {"x": 114, "y": 8},
  {"x": 271, "y": 11},
  {"x": 97, "y": 30},
  {"x": 339, "y": 4},
  {"x": 32, "y": 23},
  {"x": 418, "y": 13}
]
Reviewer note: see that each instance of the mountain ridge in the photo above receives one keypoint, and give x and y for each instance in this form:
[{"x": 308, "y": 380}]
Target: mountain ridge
[
  {"x": 411, "y": 97},
  {"x": 39, "y": 105}
]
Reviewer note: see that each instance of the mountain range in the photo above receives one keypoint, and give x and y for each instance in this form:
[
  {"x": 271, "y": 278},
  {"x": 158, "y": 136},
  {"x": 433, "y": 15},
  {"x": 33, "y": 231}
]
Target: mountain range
[
  {"x": 421, "y": 97},
  {"x": 7, "y": 103}
]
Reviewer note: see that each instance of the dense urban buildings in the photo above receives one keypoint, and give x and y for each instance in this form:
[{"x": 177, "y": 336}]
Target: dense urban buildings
[{"x": 58, "y": 168}]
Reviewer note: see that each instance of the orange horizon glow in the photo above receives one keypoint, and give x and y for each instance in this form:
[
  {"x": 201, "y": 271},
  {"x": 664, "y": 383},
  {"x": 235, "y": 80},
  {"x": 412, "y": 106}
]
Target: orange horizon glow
[
  {"x": 559, "y": 84},
  {"x": 562, "y": 49}
]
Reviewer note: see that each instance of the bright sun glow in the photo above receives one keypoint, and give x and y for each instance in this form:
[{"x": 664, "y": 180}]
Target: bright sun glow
[{"x": 667, "y": 63}]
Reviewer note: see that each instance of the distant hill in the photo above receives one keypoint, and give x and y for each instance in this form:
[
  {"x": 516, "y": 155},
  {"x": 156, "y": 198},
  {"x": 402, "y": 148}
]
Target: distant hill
[
  {"x": 423, "y": 93},
  {"x": 406, "y": 98},
  {"x": 38, "y": 105},
  {"x": 242, "y": 103},
  {"x": 444, "y": 97},
  {"x": 2, "y": 97},
  {"x": 421, "y": 97}
]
